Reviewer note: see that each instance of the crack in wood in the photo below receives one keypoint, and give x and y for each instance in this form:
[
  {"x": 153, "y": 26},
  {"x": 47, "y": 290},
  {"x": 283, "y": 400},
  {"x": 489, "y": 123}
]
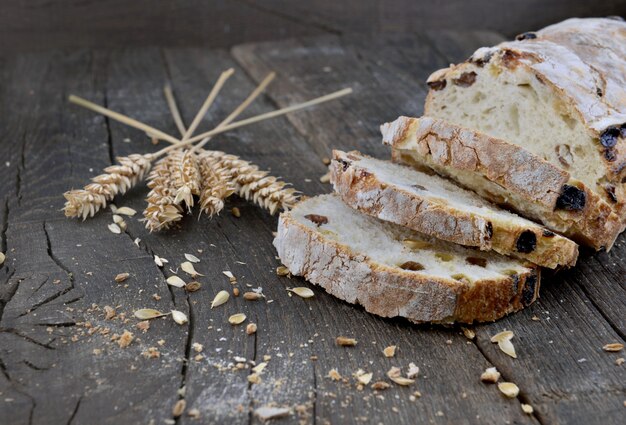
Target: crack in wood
[
  {"x": 190, "y": 320},
  {"x": 595, "y": 305},
  {"x": 34, "y": 366},
  {"x": 74, "y": 411},
  {"x": 14, "y": 386},
  {"x": 12, "y": 289},
  {"x": 522, "y": 397},
  {"x": 188, "y": 341},
  {"x": 61, "y": 266},
  {"x": 4, "y": 225},
  {"x": 19, "y": 169},
  {"x": 249, "y": 390},
  {"x": 16, "y": 332}
]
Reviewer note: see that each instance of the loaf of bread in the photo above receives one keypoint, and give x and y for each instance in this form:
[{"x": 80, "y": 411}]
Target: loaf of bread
[
  {"x": 393, "y": 271},
  {"x": 536, "y": 126},
  {"x": 437, "y": 207},
  {"x": 559, "y": 92},
  {"x": 505, "y": 174}
]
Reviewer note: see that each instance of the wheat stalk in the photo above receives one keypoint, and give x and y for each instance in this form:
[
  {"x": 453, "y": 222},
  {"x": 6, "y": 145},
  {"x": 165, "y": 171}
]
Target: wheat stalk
[
  {"x": 162, "y": 211},
  {"x": 176, "y": 143},
  {"x": 253, "y": 184},
  {"x": 103, "y": 188},
  {"x": 117, "y": 179}
]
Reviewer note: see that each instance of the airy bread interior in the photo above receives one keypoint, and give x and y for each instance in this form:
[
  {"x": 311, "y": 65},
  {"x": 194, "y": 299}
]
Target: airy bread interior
[
  {"x": 398, "y": 247},
  {"x": 514, "y": 105},
  {"x": 437, "y": 207},
  {"x": 436, "y": 187}
]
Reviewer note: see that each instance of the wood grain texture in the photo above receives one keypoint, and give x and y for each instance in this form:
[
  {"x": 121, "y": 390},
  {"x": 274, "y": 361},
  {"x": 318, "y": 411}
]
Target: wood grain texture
[
  {"x": 578, "y": 317},
  {"x": 44, "y": 24}
]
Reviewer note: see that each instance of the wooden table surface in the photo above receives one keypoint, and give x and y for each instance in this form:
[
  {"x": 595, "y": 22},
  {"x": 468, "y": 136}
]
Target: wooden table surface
[{"x": 58, "y": 364}]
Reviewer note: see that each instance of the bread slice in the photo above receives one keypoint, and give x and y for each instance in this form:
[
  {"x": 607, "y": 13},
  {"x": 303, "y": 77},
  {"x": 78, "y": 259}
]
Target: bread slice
[
  {"x": 507, "y": 175},
  {"x": 393, "y": 271},
  {"x": 559, "y": 93},
  {"x": 437, "y": 207}
]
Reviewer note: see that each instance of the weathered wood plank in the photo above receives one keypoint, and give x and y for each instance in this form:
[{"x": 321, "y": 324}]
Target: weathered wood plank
[
  {"x": 584, "y": 331},
  {"x": 53, "y": 324}
]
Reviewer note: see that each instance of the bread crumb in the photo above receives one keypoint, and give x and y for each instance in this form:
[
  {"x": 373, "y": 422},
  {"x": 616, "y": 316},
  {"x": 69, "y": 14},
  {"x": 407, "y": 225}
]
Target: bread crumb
[
  {"x": 125, "y": 340},
  {"x": 413, "y": 371},
  {"x": 390, "y": 351},
  {"x": 334, "y": 375},
  {"x": 197, "y": 347},
  {"x": 527, "y": 408},
  {"x": 343, "y": 341},
  {"x": 380, "y": 385},
  {"x": 490, "y": 375},
  {"x": 109, "y": 312},
  {"x": 144, "y": 325},
  {"x": 469, "y": 333},
  {"x": 152, "y": 353},
  {"x": 251, "y": 328}
]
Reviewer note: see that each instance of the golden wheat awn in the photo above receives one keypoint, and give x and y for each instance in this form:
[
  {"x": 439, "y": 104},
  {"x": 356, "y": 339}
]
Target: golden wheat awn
[{"x": 103, "y": 188}]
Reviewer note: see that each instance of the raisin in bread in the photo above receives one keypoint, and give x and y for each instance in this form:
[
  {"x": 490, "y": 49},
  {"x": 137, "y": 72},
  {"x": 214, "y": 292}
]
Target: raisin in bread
[
  {"x": 437, "y": 207},
  {"x": 393, "y": 271},
  {"x": 559, "y": 92},
  {"x": 507, "y": 175}
]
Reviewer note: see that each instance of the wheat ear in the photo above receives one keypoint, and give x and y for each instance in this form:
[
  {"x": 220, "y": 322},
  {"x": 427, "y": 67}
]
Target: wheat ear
[
  {"x": 253, "y": 184},
  {"x": 187, "y": 173},
  {"x": 162, "y": 211},
  {"x": 186, "y": 177},
  {"x": 117, "y": 179},
  {"x": 216, "y": 184}
]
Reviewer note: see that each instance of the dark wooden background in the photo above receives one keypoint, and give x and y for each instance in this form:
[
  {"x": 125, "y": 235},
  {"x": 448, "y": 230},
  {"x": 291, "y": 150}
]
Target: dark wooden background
[
  {"x": 42, "y": 24},
  {"x": 59, "y": 273}
]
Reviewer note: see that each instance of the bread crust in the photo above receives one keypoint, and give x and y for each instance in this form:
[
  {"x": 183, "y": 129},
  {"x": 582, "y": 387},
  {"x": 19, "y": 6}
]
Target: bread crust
[
  {"x": 583, "y": 62},
  {"x": 520, "y": 182},
  {"x": 393, "y": 292},
  {"x": 363, "y": 190}
]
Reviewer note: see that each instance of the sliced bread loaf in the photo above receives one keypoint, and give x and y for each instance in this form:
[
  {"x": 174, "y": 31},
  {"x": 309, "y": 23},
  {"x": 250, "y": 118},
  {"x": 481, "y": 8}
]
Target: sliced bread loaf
[
  {"x": 437, "y": 207},
  {"x": 394, "y": 271},
  {"x": 507, "y": 175},
  {"x": 559, "y": 92}
]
